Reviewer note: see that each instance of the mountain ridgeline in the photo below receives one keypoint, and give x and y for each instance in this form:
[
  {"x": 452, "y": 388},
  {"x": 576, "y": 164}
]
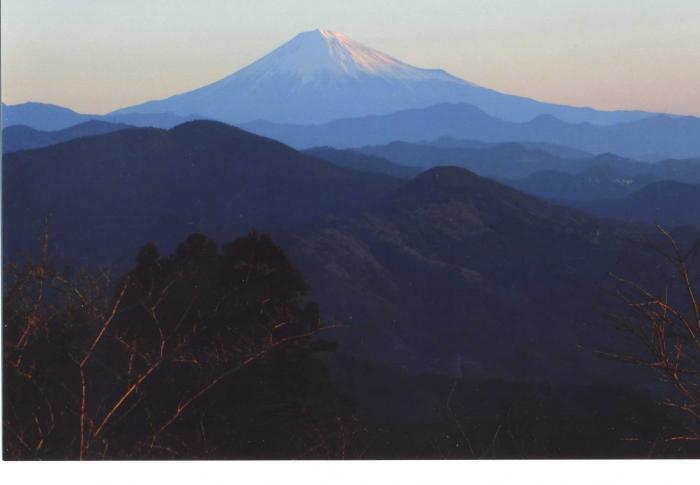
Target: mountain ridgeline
[
  {"x": 397, "y": 258},
  {"x": 331, "y": 253},
  {"x": 105, "y": 195},
  {"x": 652, "y": 138},
  {"x": 21, "y": 137},
  {"x": 52, "y": 118},
  {"x": 322, "y": 75},
  {"x": 667, "y": 203},
  {"x": 452, "y": 264},
  {"x": 443, "y": 283}
]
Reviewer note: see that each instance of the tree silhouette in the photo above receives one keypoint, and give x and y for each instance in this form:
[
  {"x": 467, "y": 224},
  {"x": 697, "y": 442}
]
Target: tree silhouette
[
  {"x": 667, "y": 325},
  {"x": 205, "y": 353}
]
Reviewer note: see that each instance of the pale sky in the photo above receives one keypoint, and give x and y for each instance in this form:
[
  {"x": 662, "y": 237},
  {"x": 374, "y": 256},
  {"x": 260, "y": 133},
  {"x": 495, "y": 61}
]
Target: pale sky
[{"x": 99, "y": 55}]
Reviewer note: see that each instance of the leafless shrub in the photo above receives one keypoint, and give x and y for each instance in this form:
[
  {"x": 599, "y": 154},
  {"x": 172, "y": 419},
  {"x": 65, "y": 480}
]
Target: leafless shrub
[{"x": 668, "y": 327}]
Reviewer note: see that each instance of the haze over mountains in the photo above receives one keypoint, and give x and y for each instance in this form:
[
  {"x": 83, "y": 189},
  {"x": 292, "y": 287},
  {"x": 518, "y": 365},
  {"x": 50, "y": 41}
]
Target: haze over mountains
[
  {"x": 324, "y": 89},
  {"x": 550, "y": 171},
  {"x": 651, "y": 139},
  {"x": 668, "y": 203},
  {"x": 367, "y": 242},
  {"x": 22, "y": 137},
  {"x": 515, "y": 160},
  {"x": 323, "y": 75},
  {"x": 456, "y": 252},
  {"x": 458, "y": 235},
  {"x": 104, "y": 194},
  {"x": 319, "y": 76},
  {"x": 49, "y": 117}
]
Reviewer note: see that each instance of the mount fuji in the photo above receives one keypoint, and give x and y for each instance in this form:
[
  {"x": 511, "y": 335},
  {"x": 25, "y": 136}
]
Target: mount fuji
[{"x": 321, "y": 75}]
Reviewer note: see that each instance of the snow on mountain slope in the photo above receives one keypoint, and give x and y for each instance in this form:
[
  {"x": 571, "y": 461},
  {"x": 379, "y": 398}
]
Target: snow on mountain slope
[
  {"x": 318, "y": 54},
  {"x": 321, "y": 75}
]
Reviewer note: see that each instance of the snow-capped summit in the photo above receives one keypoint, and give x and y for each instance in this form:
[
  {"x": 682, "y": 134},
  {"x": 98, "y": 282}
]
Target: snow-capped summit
[
  {"x": 321, "y": 53},
  {"x": 322, "y": 75}
]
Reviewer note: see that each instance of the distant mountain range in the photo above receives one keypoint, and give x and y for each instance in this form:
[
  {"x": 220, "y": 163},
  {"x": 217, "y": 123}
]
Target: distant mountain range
[
  {"x": 453, "y": 264},
  {"x": 50, "y": 117},
  {"x": 650, "y": 139},
  {"x": 549, "y": 171},
  {"x": 446, "y": 264},
  {"x": 668, "y": 203},
  {"x": 654, "y": 138},
  {"x": 322, "y": 88},
  {"x": 106, "y": 195},
  {"x": 513, "y": 161},
  {"x": 321, "y": 75},
  {"x": 606, "y": 177},
  {"x": 42, "y": 116},
  {"x": 463, "y": 239},
  {"x": 593, "y": 183},
  {"x": 500, "y": 160},
  {"x": 364, "y": 162},
  {"x": 555, "y": 149},
  {"x": 21, "y": 137},
  {"x": 604, "y": 186}
]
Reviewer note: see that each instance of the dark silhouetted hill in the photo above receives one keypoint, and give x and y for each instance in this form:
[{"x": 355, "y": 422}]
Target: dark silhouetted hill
[
  {"x": 595, "y": 183},
  {"x": 105, "y": 195},
  {"x": 454, "y": 267},
  {"x": 537, "y": 172},
  {"x": 668, "y": 203}
]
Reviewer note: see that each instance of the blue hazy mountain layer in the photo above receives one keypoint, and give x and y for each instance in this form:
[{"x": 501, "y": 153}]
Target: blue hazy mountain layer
[
  {"x": 653, "y": 138},
  {"x": 50, "y": 117},
  {"x": 319, "y": 76}
]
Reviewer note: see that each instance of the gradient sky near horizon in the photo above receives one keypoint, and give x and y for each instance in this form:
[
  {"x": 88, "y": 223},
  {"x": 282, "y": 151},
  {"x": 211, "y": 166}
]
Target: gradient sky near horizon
[{"x": 100, "y": 55}]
